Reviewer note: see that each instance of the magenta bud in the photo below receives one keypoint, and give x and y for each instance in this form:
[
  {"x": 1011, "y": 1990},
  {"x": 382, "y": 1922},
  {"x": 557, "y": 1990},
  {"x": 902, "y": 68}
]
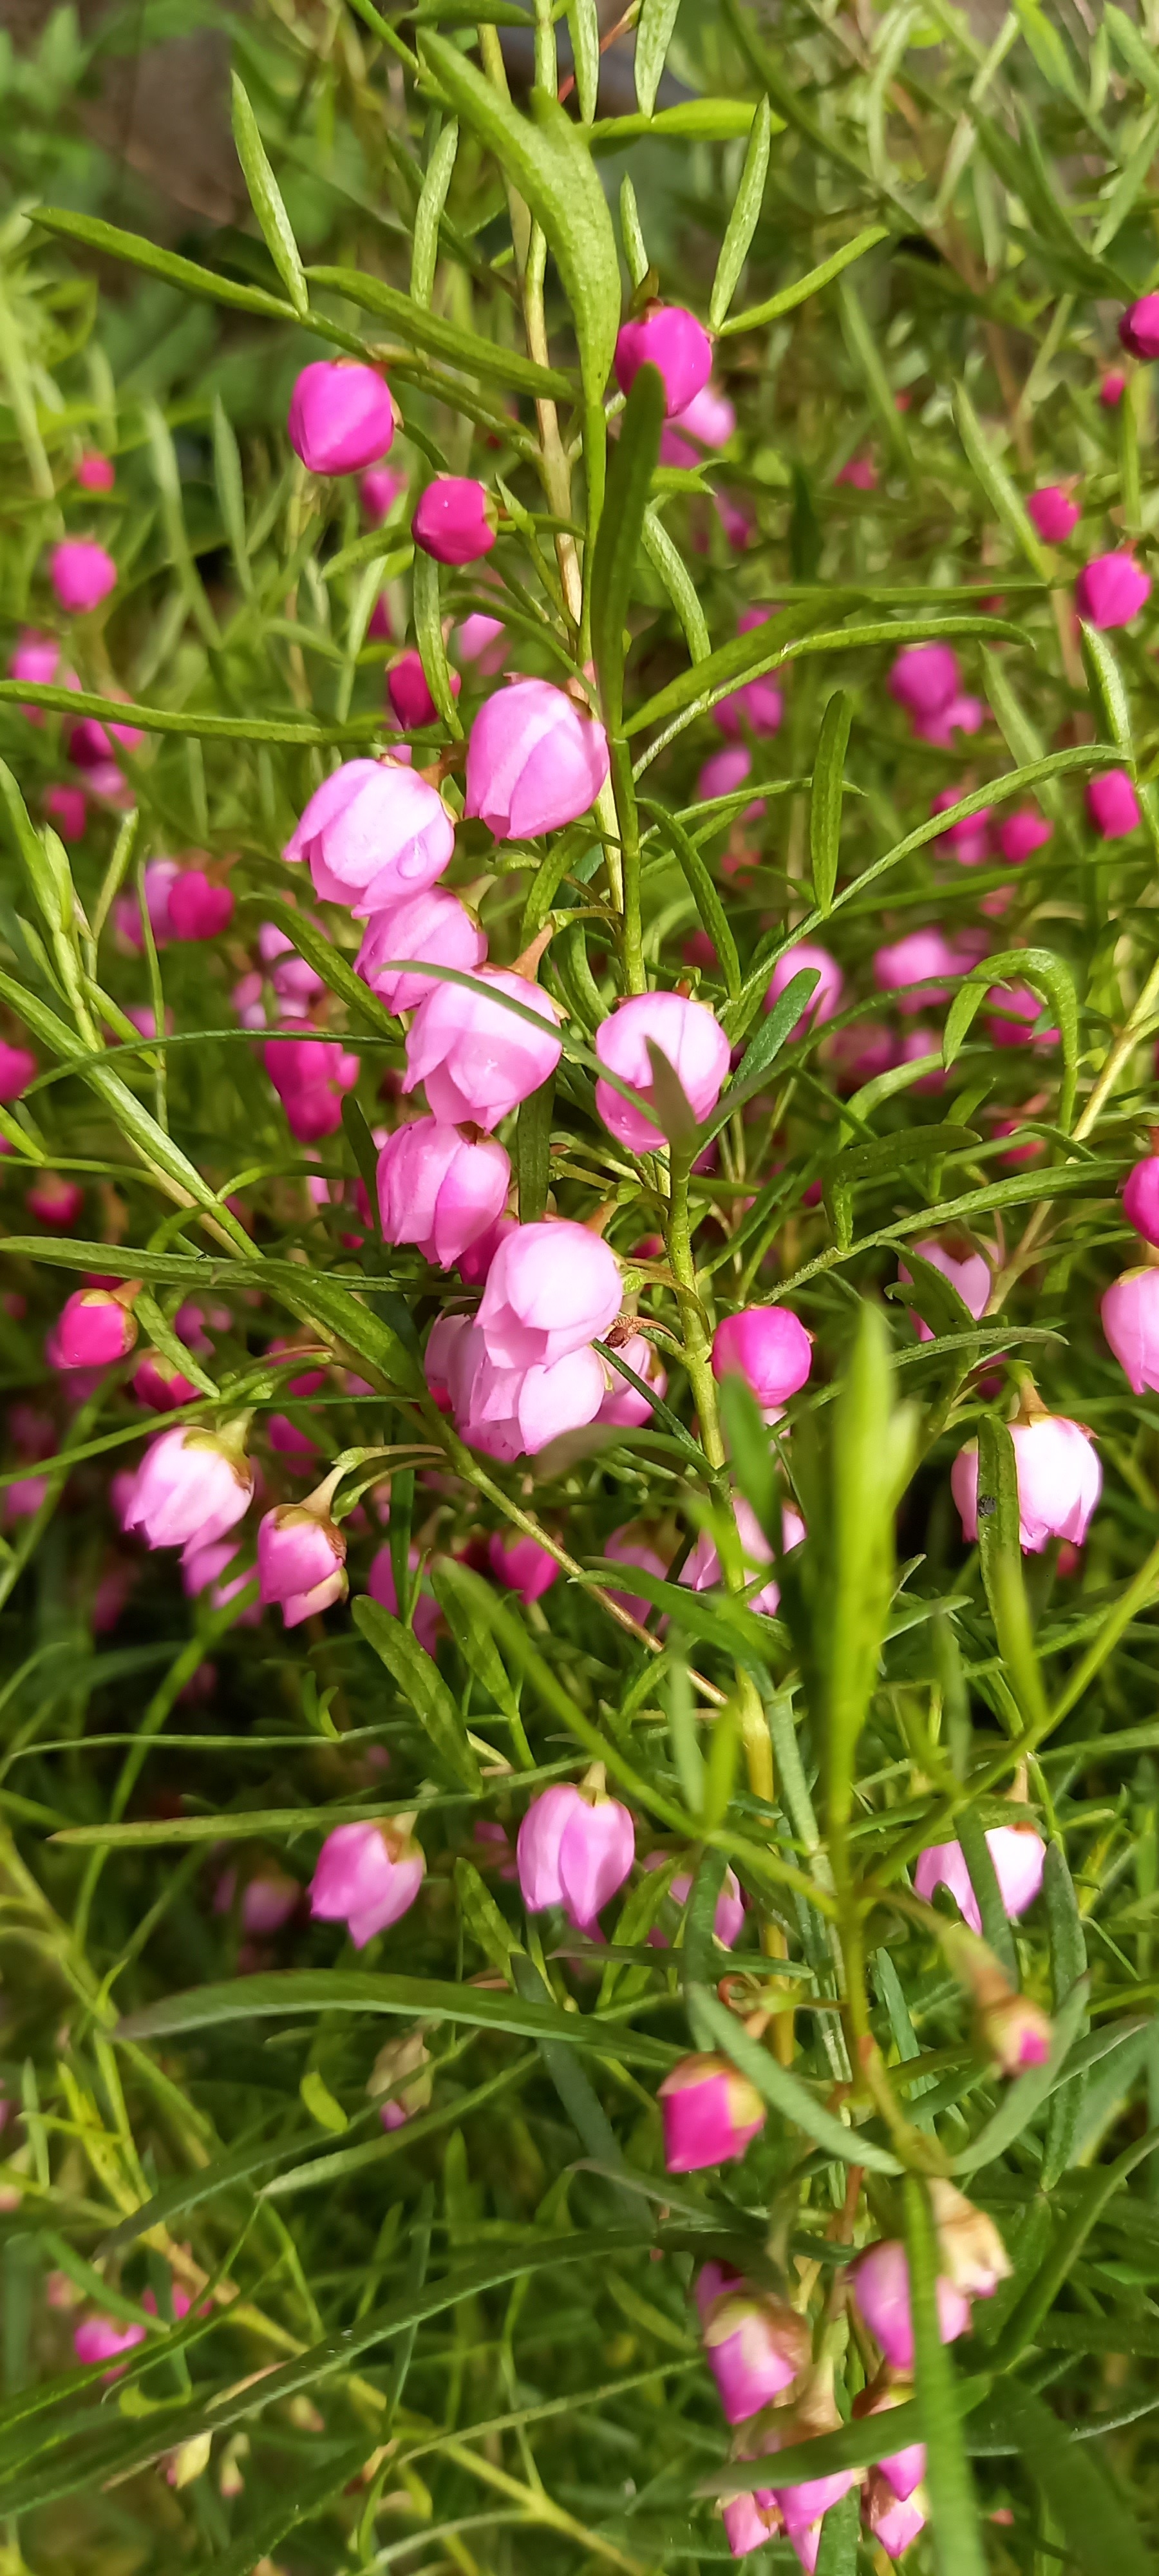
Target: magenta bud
[
  {"x": 1012, "y": 1011},
  {"x": 439, "y": 1191},
  {"x": 102, "y": 2339},
  {"x": 1112, "y": 589},
  {"x": 686, "y": 1034},
  {"x": 373, "y": 832},
  {"x": 534, "y": 760},
  {"x": 341, "y": 416},
  {"x": 756, "y": 2347},
  {"x": 521, "y": 1565},
  {"x": 82, "y": 574},
  {"x": 826, "y": 995},
  {"x": 1141, "y": 1198},
  {"x": 95, "y": 1327},
  {"x": 918, "y": 959},
  {"x": 17, "y": 1070},
  {"x": 1018, "y": 1853},
  {"x": 1112, "y": 804},
  {"x": 67, "y": 810},
  {"x": 95, "y": 473},
  {"x": 54, "y": 1201},
  {"x": 158, "y": 1383},
  {"x": 1129, "y": 1312},
  {"x": 727, "y": 1924},
  {"x": 190, "y": 1486},
  {"x": 454, "y": 520},
  {"x": 769, "y": 1347},
  {"x": 198, "y": 909},
  {"x": 1139, "y": 327},
  {"x": 301, "y": 1560},
  {"x": 971, "y": 1278},
  {"x": 724, "y": 774},
  {"x": 670, "y": 339},
  {"x": 1022, "y": 833},
  {"x": 551, "y": 1288},
  {"x": 476, "y": 1058},
  {"x": 378, "y": 491},
  {"x": 367, "y": 1877},
  {"x": 880, "y": 2283},
  {"x": 1059, "y": 1480},
  {"x": 406, "y": 686},
  {"x": 433, "y": 928},
  {"x": 711, "y": 2114},
  {"x": 1112, "y": 390},
  {"x": 925, "y": 678},
  {"x": 1052, "y": 510}
]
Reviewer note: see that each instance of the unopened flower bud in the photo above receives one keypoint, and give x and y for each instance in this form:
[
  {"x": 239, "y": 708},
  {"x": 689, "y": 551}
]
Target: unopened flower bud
[
  {"x": 756, "y": 2347},
  {"x": 711, "y": 2114},
  {"x": 402, "y": 2069},
  {"x": 971, "y": 2253}
]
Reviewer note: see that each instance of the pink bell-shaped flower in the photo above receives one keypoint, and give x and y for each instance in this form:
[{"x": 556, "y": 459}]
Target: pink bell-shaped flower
[
  {"x": 552, "y": 1287},
  {"x": 1112, "y": 589},
  {"x": 1129, "y": 1312},
  {"x": 711, "y": 2114},
  {"x": 367, "y": 1877},
  {"x": 191, "y": 1486},
  {"x": 746, "y": 2527},
  {"x": 1053, "y": 512},
  {"x": 341, "y": 416},
  {"x": 575, "y": 1849},
  {"x": 454, "y": 520},
  {"x": 301, "y": 1559},
  {"x": 82, "y": 574},
  {"x": 755, "y": 2347},
  {"x": 1019, "y": 1857},
  {"x": 478, "y": 1059},
  {"x": 728, "y": 1919},
  {"x": 924, "y": 678},
  {"x": 893, "y": 2523},
  {"x": 1112, "y": 804},
  {"x": 534, "y": 760},
  {"x": 670, "y": 339},
  {"x": 432, "y": 928},
  {"x": 521, "y": 1565},
  {"x": 198, "y": 909},
  {"x": 373, "y": 832},
  {"x": 880, "y": 2283},
  {"x": 1059, "y": 1481},
  {"x": 102, "y": 2339},
  {"x": 702, "y": 1569},
  {"x": 686, "y": 1034},
  {"x": 1139, "y": 327},
  {"x": 1141, "y": 1198},
  {"x": 438, "y": 1190},
  {"x": 826, "y": 995},
  {"x": 769, "y": 1347},
  {"x": 408, "y": 689}
]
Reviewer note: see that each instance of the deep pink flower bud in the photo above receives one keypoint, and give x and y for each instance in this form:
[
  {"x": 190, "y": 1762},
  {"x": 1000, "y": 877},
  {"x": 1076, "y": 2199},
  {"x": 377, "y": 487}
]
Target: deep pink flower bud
[
  {"x": 551, "y": 1287},
  {"x": 826, "y": 997},
  {"x": 160, "y": 878},
  {"x": 904, "y": 2469},
  {"x": 727, "y": 1924},
  {"x": 190, "y": 1485},
  {"x": 198, "y": 909},
  {"x": 17, "y": 1070},
  {"x": 406, "y": 686},
  {"x": 373, "y": 832},
  {"x": 267, "y": 1900},
  {"x": 769, "y": 1347},
  {"x": 534, "y": 760},
  {"x": 702, "y": 1567},
  {"x": 301, "y": 1560},
  {"x": 860, "y": 473},
  {"x": 159, "y": 1384},
  {"x": 1141, "y": 1200},
  {"x": 82, "y": 574},
  {"x": 755, "y": 2347},
  {"x": 575, "y": 1850},
  {"x": 971, "y": 1277},
  {"x": 880, "y": 2282},
  {"x": 1130, "y": 1318},
  {"x": 1112, "y": 390},
  {"x": 709, "y": 418},
  {"x": 482, "y": 640},
  {"x": 95, "y": 473},
  {"x": 95, "y": 1327},
  {"x": 367, "y": 1877},
  {"x": 969, "y": 839},
  {"x": 670, "y": 339},
  {"x": 758, "y": 705},
  {"x": 924, "y": 678},
  {"x": 724, "y": 774},
  {"x": 1059, "y": 1481},
  {"x": 918, "y": 959},
  {"x": 432, "y": 927},
  {"x": 521, "y": 1565},
  {"x": 439, "y": 1191},
  {"x": 55, "y": 1201},
  {"x": 1019, "y": 1857},
  {"x": 686, "y": 1033},
  {"x": 91, "y": 743},
  {"x": 621, "y": 1405},
  {"x": 378, "y": 491},
  {"x": 67, "y": 811},
  {"x": 893, "y": 2522},
  {"x": 341, "y": 416},
  {"x": 1112, "y": 804},
  {"x": 1139, "y": 327},
  {"x": 478, "y": 1059},
  {"x": 102, "y": 2339},
  {"x": 1053, "y": 512},
  {"x": 711, "y": 2114},
  {"x": 1022, "y": 833},
  {"x": 454, "y": 520},
  {"x": 964, "y": 714},
  {"x": 1112, "y": 590}
]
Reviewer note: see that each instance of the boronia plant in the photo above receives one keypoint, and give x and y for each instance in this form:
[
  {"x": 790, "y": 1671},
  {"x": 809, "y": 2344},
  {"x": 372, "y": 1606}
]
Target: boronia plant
[{"x": 581, "y": 1315}]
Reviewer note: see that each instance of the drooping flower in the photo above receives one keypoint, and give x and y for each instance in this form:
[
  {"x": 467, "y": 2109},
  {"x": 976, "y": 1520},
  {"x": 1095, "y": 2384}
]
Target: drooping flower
[
  {"x": 711, "y": 2114},
  {"x": 95, "y": 1327},
  {"x": 686, "y": 1034},
  {"x": 431, "y": 928},
  {"x": 1129, "y": 1312},
  {"x": 521, "y": 1565},
  {"x": 880, "y": 2283},
  {"x": 575, "y": 1849},
  {"x": 670, "y": 339},
  {"x": 301, "y": 1560},
  {"x": 534, "y": 760},
  {"x": 478, "y": 1059},
  {"x": 191, "y": 1485},
  {"x": 551, "y": 1288},
  {"x": 769, "y": 1347},
  {"x": 1112, "y": 589},
  {"x": 756, "y": 2347},
  {"x": 373, "y": 832},
  {"x": 368, "y": 1876},
  {"x": 1053, "y": 513},
  {"x": 454, "y": 520},
  {"x": 439, "y": 1190},
  {"x": 1019, "y": 1855},
  {"x": 1059, "y": 1481}
]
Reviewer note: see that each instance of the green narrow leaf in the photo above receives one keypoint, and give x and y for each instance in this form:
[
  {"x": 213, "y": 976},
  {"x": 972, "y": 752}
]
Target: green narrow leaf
[
  {"x": 167, "y": 477},
  {"x": 840, "y": 2534},
  {"x": 428, "y": 624},
  {"x": 617, "y": 543},
  {"x": 230, "y": 493},
  {"x": 998, "y": 488},
  {"x": 472, "y": 1634},
  {"x": 743, "y": 220},
  {"x": 810, "y": 284},
  {"x": 1132, "y": 47},
  {"x": 712, "y": 913},
  {"x": 667, "y": 560},
  {"x": 488, "y": 1928},
  {"x": 1099, "y": 2532},
  {"x": 865, "y": 353},
  {"x": 421, "y": 1682},
  {"x": 1025, "y": 2096},
  {"x": 1108, "y": 689},
  {"x": 148, "y": 1313},
  {"x": 669, "y": 1103},
  {"x": 533, "y": 1151},
  {"x": 113, "y": 243},
  {"x": 327, "y": 961},
  {"x": 1000, "y": 1554},
  {"x": 428, "y": 212},
  {"x": 266, "y": 199},
  {"x": 288, "y": 1991},
  {"x": 996, "y": 1929},
  {"x": 571, "y": 2080},
  {"x": 826, "y": 798},
  {"x": 958, "y": 2549},
  {"x": 365, "y": 1152},
  {"x": 437, "y": 337},
  {"x": 777, "y": 1025},
  {"x": 853, "y": 1604},
  {"x": 1068, "y": 1967},
  {"x": 583, "y": 26},
  {"x": 653, "y": 36},
  {"x": 715, "y": 2028},
  {"x": 630, "y": 233}
]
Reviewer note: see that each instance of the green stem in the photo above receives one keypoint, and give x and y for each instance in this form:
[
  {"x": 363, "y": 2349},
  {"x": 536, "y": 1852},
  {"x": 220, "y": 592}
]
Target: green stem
[{"x": 629, "y": 823}]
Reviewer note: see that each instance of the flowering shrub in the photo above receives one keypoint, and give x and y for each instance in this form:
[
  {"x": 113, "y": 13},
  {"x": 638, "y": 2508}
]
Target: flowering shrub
[{"x": 581, "y": 1321}]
